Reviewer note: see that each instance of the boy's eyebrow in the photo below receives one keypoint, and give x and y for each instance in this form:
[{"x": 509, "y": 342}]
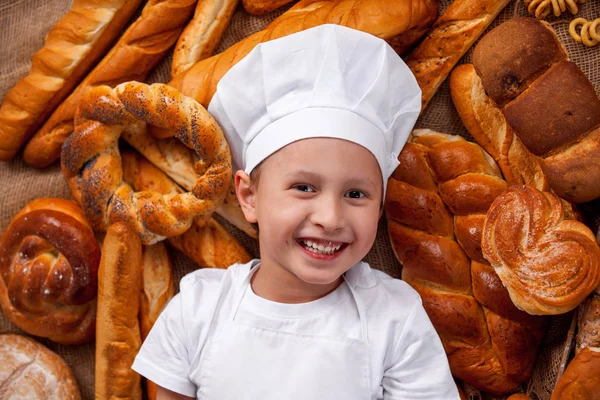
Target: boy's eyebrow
[{"x": 316, "y": 176}]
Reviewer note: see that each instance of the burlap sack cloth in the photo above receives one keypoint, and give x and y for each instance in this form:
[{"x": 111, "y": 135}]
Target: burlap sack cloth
[{"x": 23, "y": 26}]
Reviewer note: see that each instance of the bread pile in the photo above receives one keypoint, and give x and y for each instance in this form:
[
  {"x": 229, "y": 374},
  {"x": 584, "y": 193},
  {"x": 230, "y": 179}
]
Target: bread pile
[
  {"x": 490, "y": 342},
  {"x": 168, "y": 187}
]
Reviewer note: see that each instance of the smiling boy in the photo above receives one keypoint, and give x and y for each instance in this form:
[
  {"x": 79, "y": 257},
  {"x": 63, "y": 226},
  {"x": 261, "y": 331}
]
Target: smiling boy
[{"x": 315, "y": 121}]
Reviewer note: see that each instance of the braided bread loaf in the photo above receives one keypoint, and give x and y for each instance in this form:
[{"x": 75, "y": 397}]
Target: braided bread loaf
[
  {"x": 71, "y": 49},
  {"x": 436, "y": 205},
  {"x": 138, "y": 50},
  {"x": 49, "y": 260},
  {"x": 400, "y": 22}
]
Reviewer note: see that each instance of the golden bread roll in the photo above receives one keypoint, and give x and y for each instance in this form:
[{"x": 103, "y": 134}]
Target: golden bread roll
[
  {"x": 400, "y": 22},
  {"x": 118, "y": 338},
  {"x": 158, "y": 287},
  {"x": 72, "y": 47},
  {"x": 49, "y": 260},
  {"x": 91, "y": 160},
  {"x": 202, "y": 34},
  {"x": 436, "y": 204},
  {"x": 548, "y": 263},
  {"x": 259, "y": 7},
  {"x": 139, "y": 49},
  {"x": 209, "y": 245},
  {"x": 581, "y": 380},
  {"x": 454, "y": 32},
  {"x": 29, "y": 370}
]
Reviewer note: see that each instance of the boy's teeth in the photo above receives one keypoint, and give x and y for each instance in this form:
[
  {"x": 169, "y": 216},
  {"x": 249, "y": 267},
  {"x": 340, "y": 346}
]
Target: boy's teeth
[{"x": 320, "y": 248}]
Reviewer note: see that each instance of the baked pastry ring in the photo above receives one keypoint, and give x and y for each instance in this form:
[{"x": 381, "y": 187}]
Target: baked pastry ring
[
  {"x": 548, "y": 263},
  {"x": 91, "y": 161}
]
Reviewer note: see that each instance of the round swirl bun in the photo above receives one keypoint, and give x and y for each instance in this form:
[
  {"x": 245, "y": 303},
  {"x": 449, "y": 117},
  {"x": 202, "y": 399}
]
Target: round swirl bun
[
  {"x": 30, "y": 370},
  {"x": 549, "y": 264},
  {"x": 49, "y": 260}
]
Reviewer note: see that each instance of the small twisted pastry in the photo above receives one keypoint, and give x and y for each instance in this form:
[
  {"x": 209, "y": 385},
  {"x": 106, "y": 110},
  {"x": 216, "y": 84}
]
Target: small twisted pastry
[
  {"x": 549, "y": 264},
  {"x": 91, "y": 161},
  {"x": 590, "y": 36},
  {"x": 542, "y": 8},
  {"x": 49, "y": 260}
]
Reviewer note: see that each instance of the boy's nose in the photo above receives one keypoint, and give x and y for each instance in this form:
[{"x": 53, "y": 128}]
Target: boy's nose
[{"x": 328, "y": 214}]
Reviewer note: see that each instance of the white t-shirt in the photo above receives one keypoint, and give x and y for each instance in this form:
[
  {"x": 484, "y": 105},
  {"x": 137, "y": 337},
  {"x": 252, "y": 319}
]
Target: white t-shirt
[{"x": 407, "y": 360}]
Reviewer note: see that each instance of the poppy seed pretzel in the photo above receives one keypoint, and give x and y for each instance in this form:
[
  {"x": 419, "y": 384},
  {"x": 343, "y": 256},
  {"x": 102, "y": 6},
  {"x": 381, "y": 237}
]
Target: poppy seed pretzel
[{"x": 91, "y": 161}]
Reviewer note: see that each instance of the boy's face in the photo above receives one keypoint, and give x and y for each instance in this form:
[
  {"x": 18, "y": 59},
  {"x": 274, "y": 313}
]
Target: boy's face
[{"x": 317, "y": 192}]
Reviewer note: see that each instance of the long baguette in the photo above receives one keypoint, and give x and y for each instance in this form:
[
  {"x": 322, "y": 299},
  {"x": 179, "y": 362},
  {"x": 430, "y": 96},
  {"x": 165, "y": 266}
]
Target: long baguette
[
  {"x": 259, "y": 7},
  {"x": 209, "y": 245},
  {"x": 117, "y": 328},
  {"x": 452, "y": 35},
  {"x": 140, "y": 48},
  {"x": 158, "y": 288},
  {"x": 71, "y": 48},
  {"x": 201, "y": 36},
  {"x": 400, "y": 22}
]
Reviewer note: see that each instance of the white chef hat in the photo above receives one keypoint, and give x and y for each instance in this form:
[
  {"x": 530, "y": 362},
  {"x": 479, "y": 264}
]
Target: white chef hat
[{"x": 328, "y": 81}]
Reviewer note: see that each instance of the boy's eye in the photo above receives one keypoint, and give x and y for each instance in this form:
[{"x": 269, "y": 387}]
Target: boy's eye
[
  {"x": 355, "y": 194},
  {"x": 304, "y": 188}
]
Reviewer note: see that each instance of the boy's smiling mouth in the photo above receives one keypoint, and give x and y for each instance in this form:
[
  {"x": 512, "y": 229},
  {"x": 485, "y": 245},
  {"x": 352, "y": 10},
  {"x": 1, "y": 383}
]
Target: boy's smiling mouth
[{"x": 321, "y": 247}]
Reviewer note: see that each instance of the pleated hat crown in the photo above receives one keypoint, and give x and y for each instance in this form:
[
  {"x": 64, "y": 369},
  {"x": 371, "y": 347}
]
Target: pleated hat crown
[{"x": 328, "y": 81}]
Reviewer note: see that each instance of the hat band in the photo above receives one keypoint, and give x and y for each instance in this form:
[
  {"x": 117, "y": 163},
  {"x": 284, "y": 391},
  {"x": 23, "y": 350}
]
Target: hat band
[{"x": 317, "y": 122}]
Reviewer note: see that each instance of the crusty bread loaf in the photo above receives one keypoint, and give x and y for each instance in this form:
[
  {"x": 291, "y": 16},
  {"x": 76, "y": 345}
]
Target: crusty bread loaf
[
  {"x": 259, "y": 7},
  {"x": 548, "y": 263},
  {"x": 138, "y": 50},
  {"x": 524, "y": 70},
  {"x": 202, "y": 34},
  {"x": 400, "y": 22},
  {"x": 588, "y": 323},
  {"x": 49, "y": 260},
  {"x": 451, "y": 36},
  {"x": 178, "y": 161},
  {"x": 581, "y": 380},
  {"x": 118, "y": 337},
  {"x": 486, "y": 123},
  {"x": 29, "y": 370},
  {"x": 208, "y": 244},
  {"x": 436, "y": 204},
  {"x": 158, "y": 287},
  {"x": 71, "y": 49}
]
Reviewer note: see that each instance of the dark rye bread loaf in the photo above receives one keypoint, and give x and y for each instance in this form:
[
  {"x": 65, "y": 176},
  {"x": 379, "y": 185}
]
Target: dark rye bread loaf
[{"x": 547, "y": 101}]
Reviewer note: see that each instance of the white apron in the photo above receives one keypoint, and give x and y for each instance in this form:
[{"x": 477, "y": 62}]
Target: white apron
[{"x": 247, "y": 362}]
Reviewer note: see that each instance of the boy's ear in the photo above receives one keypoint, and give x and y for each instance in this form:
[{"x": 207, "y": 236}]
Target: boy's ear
[{"x": 246, "y": 194}]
